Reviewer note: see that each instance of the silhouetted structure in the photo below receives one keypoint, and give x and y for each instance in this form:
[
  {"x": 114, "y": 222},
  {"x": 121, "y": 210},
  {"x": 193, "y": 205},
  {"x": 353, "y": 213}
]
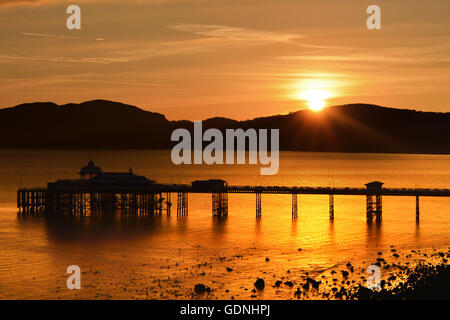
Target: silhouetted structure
[
  {"x": 98, "y": 191},
  {"x": 374, "y": 200}
]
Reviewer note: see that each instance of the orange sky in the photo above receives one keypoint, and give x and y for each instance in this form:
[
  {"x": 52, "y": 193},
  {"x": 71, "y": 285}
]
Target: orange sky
[{"x": 195, "y": 59}]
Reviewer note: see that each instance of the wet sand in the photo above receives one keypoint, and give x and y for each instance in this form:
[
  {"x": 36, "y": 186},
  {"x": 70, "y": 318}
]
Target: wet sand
[{"x": 229, "y": 277}]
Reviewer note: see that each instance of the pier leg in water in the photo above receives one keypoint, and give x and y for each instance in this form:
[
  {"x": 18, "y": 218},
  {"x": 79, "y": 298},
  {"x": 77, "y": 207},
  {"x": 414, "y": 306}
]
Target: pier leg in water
[
  {"x": 369, "y": 207},
  {"x": 417, "y": 209},
  {"x": 168, "y": 203},
  {"x": 258, "y": 205},
  {"x": 182, "y": 204},
  {"x": 220, "y": 204},
  {"x": 379, "y": 208},
  {"x": 331, "y": 206},
  {"x": 294, "y": 206}
]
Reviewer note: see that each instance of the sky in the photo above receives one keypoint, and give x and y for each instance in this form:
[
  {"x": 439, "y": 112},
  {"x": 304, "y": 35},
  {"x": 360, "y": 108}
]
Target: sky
[{"x": 195, "y": 59}]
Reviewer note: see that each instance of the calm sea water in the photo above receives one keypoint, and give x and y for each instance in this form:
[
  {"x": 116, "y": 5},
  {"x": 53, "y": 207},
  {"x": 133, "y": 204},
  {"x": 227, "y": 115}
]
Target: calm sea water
[{"x": 130, "y": 257}]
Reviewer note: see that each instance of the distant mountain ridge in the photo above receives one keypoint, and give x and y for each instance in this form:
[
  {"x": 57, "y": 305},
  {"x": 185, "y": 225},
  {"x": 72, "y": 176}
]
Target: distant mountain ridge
[{"x": 112, "y": 125}]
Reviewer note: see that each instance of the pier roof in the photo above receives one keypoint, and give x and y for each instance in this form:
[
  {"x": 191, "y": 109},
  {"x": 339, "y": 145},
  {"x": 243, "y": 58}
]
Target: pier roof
[
  {"x": 374, "y": 184},
  {"x": 93, "y": 177}
]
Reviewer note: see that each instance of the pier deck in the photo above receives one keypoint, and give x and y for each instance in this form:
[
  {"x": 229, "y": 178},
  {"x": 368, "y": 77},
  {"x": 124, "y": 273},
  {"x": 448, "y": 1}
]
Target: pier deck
[
  {"x": 174, "y": 188},
  {"x": 150, "y": 200}
]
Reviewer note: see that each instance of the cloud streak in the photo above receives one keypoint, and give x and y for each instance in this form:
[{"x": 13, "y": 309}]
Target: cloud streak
[
  {"x": 99, "y": 60},
  {"x": 233, "y": 33},
  {"x": 39, "y": 2},
  {"x": 46, "y": 35}
]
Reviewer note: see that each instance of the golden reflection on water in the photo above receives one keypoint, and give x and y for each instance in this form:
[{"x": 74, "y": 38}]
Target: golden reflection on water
[{"x": 125, "y": 256}]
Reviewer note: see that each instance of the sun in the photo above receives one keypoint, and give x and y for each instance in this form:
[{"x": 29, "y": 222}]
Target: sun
[{"x": 316, "y": 98}]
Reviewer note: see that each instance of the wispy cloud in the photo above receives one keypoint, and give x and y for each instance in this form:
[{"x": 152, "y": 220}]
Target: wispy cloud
[
  {"x": 47, "y": 35},
  {"x": 100, "y": 60},
  {"x": 39, "y": 2},
  {"x": 15, "y": 83},
  {"x": 13, "y": 2},
  {"x": 233, "y": 33}
]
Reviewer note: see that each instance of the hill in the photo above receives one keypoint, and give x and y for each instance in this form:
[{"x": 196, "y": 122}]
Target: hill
[{"x": 107, "y": 124}]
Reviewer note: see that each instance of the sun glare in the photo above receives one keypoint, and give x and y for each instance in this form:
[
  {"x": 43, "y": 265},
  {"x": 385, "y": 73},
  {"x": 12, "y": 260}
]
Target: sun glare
[
  {"x": 315, "y": 92},
  {"x": 316, "y": 98}
]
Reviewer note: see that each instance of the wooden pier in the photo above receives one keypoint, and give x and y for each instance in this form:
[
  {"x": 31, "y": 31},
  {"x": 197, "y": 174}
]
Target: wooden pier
[{"x": 98, "y": 192}]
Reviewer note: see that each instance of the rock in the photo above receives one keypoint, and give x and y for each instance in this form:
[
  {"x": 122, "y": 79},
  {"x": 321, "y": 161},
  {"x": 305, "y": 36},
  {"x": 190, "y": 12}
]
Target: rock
[
  {"x": 345, "y": 273},
  {"x": 259, "y": 284},
  {"x": 297, "y": 293},
  {"x": 396, "y": 255},
  {"x": 267, "y": 259},
  {"x": 315, "y": 284},
  {"x": 201, "y": 288},
  {"x": 229, "y": 269},
  {"x": 278, "y": 283},
  {"x": 289, "y": 283}
]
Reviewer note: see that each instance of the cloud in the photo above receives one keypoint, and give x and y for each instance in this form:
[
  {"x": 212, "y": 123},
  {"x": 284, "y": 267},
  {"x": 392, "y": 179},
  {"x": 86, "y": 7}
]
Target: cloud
[
  {"x": 233, "y": 33},
  {"x": 6, "y": 2},
  {"x": 15, "y": 83},
  {"x": 46, "y": 35},
  {"x": 23, "y": 2},
  {"x": 99, "y": 60},
  {"x": 39, "y": 2},
  {"x": 381, "y": 58}
]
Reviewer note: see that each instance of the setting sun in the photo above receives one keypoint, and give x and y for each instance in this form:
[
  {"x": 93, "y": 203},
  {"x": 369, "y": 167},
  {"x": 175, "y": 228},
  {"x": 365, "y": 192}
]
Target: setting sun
[
  {"x": 315, "y": 91},
  {"x": 316, "y": 98}
]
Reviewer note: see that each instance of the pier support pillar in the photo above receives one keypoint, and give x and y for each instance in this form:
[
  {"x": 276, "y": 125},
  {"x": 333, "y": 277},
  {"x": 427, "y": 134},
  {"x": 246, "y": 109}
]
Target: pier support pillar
[
  {"x": 374, "y": 200},
  {"x": 331, "y": 200},
  {"x": 417, "y": 209},
  {"x": 168, "y": 203},
  {"x": 294, "y": 206},
  {"x": 369, "y": 207},
  {"x": 379, "y": 207},
  {"x": 220, "y": 204},
  {"x": 374, "y": 207},
  {"x": 182, "y": 204},
  {"x": 258, "y": 204}
]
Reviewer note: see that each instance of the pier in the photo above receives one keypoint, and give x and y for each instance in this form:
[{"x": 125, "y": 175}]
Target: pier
[{"x": 101, "y": 192}]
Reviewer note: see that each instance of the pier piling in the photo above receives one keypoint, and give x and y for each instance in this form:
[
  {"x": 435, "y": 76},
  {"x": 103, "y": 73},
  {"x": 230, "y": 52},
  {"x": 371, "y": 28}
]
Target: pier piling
[
  {"x": 182, "y": 204},
  {"x": 168, "y": 203},
  {"x": 331, "y": 200},
  {"x": 220, "y": 204},
  {"x": 417, "y": 209},
  {"x": 258, "y": 204},
  {"x": 294, "y": 206}
]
